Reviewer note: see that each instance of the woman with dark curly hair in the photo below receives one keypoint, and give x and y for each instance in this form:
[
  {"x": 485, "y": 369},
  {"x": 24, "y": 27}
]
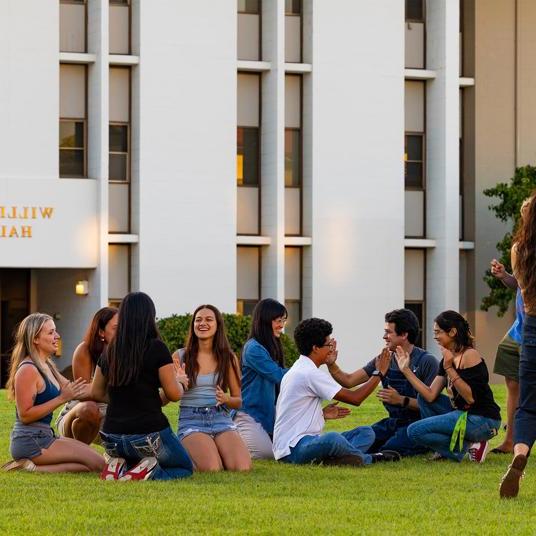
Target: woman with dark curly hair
[
  {"x": 523, "y": 257},
  {"x": 466, "y": 419}
]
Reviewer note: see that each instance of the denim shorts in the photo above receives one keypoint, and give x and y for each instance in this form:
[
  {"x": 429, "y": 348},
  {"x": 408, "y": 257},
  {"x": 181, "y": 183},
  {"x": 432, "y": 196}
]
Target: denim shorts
[
  {"x": 28, "y": 440},
  {"x": 211, "y": 420}
]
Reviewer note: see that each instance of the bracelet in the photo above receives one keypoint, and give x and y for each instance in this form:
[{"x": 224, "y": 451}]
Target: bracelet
[
  {"x": 455, "y": 380},
  {"x": 447, "y": 369}
]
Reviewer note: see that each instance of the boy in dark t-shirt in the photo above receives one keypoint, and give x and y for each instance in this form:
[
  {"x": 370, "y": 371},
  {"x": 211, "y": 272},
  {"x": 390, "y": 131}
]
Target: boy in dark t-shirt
[{"x": 397, "y": 394}]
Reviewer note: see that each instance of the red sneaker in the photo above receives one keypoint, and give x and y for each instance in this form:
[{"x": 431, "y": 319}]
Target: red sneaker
[
  {"x": 477, "y": 451},
  {"x": 143, "y": 471},
  {"x": 113, "y": 469}
]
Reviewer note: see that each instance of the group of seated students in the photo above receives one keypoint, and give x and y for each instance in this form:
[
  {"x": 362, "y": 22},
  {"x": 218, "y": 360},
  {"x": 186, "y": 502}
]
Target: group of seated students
[{"x": 231, "y": 410}]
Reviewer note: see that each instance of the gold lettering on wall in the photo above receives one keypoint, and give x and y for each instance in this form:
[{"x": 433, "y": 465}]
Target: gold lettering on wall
[{"x": 15, "y": 212}]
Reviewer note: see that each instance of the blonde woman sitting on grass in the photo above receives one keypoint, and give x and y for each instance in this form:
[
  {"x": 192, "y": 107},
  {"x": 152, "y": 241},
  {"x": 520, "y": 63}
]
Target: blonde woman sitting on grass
[{"x": 38, "y": 389}]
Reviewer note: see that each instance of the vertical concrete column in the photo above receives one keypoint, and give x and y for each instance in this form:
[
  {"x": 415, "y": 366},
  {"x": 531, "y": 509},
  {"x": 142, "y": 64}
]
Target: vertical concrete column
[
  {"x": 97, "y": 116},
  {"x": 307, "y": 155},
  {"x": 135, "y": 120},
  {"x": 442, "y": 137},
  {"x": 273, "y": 150}
]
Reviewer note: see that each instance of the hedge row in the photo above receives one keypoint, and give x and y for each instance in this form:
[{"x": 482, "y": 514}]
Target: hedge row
[{"x": 174, "y": 330}]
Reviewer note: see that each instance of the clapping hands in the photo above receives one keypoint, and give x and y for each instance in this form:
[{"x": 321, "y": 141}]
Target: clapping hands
[
  {"x": 222, "y": 397},
  {"x": 180, "y": 373},
  {"x": 402, "y": 358},
  {"x": 497, "y": 269},
  {"x": 333, "y": 411},
  {"x": 383, "y": 361},
  {"x": 75, "y": 390},
  {"x": 333, "y": 354},
  {"x": 448, "y": 357}
]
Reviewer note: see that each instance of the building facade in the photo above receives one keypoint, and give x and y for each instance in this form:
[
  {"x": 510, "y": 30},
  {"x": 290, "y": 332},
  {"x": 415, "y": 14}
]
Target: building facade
[{"x": 331, "y": 155}]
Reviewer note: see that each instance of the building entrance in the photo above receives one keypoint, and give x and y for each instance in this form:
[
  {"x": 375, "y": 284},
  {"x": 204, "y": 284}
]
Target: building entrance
[{"x": 14, "y": 306}]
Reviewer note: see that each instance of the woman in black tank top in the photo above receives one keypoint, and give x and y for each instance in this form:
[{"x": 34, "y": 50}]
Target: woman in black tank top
[{"x": 465, "y": 420}]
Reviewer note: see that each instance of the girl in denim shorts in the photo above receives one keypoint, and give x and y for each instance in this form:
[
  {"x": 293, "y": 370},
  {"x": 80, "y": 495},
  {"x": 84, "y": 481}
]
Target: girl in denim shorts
[
  {"x": 205, "y": 426},
  {"x": 38, "y": 389}
]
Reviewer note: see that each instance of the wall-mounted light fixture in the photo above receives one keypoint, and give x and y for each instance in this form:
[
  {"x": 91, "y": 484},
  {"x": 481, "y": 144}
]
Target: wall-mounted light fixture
[{"x": 82, "y": 288}]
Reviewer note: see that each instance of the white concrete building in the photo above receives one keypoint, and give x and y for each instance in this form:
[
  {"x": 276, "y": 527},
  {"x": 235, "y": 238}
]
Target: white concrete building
[{"x": 228, "y": 150}]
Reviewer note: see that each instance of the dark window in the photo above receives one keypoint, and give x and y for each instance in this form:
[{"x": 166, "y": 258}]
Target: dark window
[
  {"x": 292, "y": 7},
  {"x": 118, "y": 156},
  {"x": 415, "y": 10},
  {"x": 414, "y": 161},
  {"x": 292, "y": 157},
  {"x": 418, "y": 309},
  {"x": 247, "y": 156},
  {"x": 248, "y": 6},
  {"x": 72, "y": 148},
  {"x": 245, "y": 307}
]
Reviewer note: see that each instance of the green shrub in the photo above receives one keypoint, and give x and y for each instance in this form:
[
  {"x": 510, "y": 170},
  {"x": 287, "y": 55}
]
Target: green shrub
[{"x": 174, "y": 330}]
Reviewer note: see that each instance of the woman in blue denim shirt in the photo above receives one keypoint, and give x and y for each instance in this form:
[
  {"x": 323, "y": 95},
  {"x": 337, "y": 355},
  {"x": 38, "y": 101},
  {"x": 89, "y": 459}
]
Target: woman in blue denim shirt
[
  {"x": 263, "y": 369},
  {"x": 468, "y": 418},
  {"x": 136, "y": 364},
  {"x": 206, "y": 428}
]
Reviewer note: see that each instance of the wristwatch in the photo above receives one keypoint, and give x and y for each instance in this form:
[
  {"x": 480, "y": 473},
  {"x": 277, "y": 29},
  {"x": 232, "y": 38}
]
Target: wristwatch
[
  {"x": 376, "y": 372},
  {"x": 405, "y": 403}
]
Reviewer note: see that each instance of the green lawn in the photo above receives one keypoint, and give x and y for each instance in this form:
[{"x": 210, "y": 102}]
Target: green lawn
[{"x": 415, "y": 496}]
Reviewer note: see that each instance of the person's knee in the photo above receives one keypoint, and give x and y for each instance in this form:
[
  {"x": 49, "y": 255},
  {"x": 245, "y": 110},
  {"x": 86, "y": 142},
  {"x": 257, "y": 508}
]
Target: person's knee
[
  {"x": 89, "y": 413},
  {"x": 240, "y": 464},
  {"x": 96, "y": 464},
  {"x": 333, "y": 437},
  {"x": 413, "y": 431},
  {"x": 209, "y": 465},
  {"x": 368, "y": 433}
]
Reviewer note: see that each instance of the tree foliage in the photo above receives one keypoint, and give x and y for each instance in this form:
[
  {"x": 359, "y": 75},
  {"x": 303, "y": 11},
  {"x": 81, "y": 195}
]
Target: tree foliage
[{"x": 507, "y": 209}]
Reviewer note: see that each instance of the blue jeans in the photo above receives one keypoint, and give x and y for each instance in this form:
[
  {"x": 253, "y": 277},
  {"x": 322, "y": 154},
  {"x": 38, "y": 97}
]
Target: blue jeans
[
  {"x": 392, "y": 434},
  {"x": 435, "y": 428},
  {"x": 173, "y": 460},
  {"x": 332, "y": 445},
  {"x": 525, "y": 419}
]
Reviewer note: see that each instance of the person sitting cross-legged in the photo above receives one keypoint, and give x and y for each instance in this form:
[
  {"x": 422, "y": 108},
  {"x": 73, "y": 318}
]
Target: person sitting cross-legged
[
  {"x": 399, "y": 397},
  {"x": 300, "y": 418}
]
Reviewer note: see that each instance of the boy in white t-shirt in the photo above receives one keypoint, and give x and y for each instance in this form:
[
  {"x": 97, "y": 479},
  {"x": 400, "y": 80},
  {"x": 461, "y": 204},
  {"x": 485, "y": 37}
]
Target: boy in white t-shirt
[{"x": 300, "y": 418}]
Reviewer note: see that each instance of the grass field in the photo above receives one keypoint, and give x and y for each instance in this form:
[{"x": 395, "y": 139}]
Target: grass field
[{"x": 415, "y": 496}]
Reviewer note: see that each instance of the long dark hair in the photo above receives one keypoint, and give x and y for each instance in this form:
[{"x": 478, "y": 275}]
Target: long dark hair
[
  {"x": 221, "y": 349},
  {"x": 451, "y": 319},
  {"x": 525, "y": 250},
  {"x": 92, "y": 338},
  {"x": 135, "y": 330},
  {"x": 261, "y": 327}
]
